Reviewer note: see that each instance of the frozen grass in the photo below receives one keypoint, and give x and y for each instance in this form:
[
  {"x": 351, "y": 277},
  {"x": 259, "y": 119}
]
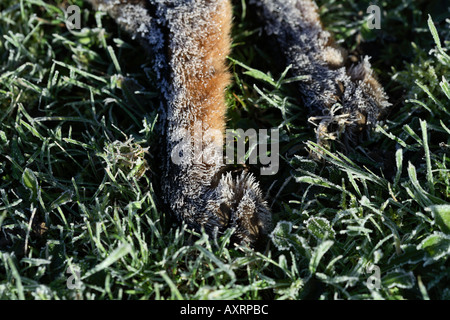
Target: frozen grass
[{"x": 78, "y": 167}]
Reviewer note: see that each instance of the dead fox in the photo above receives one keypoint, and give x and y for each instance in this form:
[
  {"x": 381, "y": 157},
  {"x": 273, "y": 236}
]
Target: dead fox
[{"x": 189, "y": 41}]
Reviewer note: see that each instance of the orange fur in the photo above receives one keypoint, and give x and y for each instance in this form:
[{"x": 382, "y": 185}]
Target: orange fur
[{"x": 206, "y": 89}]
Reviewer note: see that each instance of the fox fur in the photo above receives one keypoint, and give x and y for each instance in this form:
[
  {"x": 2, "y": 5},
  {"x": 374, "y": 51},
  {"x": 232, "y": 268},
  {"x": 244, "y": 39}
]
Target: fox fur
[
  {"x": 345, "y": 98},
  {"x": 189, "y": 41}
]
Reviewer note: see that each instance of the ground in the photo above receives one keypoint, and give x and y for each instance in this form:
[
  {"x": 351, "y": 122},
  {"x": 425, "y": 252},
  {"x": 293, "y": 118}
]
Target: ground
[{"x": 80, "y": 216}]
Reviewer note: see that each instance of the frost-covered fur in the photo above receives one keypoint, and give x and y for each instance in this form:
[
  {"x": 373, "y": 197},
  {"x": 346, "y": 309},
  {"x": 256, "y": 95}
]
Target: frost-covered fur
[
  {"x": 189, "y": 41},
  {"x": 345, "y": 100}
]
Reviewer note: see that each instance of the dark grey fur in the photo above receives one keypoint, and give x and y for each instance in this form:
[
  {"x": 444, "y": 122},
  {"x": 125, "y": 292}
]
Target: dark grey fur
[{"x": 345, "y": 95}]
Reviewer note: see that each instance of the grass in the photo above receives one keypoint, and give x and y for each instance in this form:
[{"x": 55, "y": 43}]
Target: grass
[{"x": 78, "y": 167}]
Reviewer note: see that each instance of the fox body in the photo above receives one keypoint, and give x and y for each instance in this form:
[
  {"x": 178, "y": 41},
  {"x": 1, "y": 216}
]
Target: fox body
[{"x": 189, "y": 41}]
